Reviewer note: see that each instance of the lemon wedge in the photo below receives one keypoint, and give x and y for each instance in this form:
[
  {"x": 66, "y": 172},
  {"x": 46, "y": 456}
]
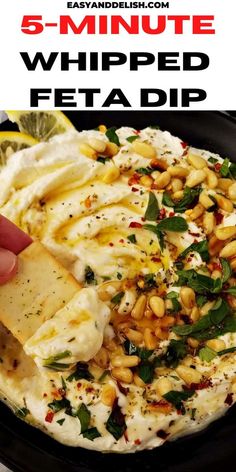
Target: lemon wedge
[
  {"x": 13, "y": 141},
  {"x": 42, "y": 125}
]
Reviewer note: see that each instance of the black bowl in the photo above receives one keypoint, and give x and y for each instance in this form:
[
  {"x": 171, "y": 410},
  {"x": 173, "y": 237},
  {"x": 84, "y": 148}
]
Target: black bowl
[{"x": 25, "y": 449}]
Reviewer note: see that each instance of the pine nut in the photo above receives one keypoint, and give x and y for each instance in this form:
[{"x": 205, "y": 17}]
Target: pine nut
[
  {"x": 167, "y": 321},
  {"x": 195, "y": 177},
  {"x": 159, "y": 164},
  {"x": 144, "y": 149},
  {"x": 124, "y": 374},
  {"x": 155, "y": 174},
  {"x": 111, "y": 149},
  {"x": 161, "y": 333},
  {"x": 229, "y": 250},
  {"x": 146, "y": 181},
  {"x": 196, "y": 212},
  {"x": 187, "y": 296},
  {"x": 88, "y": 151},
  {"x": 233, "y": 264},
  {"x": 111, "y": 175},
  {"x": 108, "y": 395},
  {"x": 206, "y": 308},
  {"x": 196, "y": 161},
  {"x": 212, "y": 180},
  {"x": 149, "y": 339},
  {"x": 178, "y": 171},
  {"x": 188, "y": 374},
  {"x": 125, "y": 361},
  {"x": 208, "y": 222},
  {"x": 226, "y": 232},
  {"x": 224, "y": 203},
  {"x": 148, "y": 313},
  {"x": 224, "y": 184},
  {"x": 216, "y": 274},
  {"x": 176, "y": 185},
  {"x": 195, "y": 315},
  {"x": 163, "y": 386},
  {"x": 205, "y": 200},
  {"x": 102, "y": 128},
  {"x": 178, "y": 195},
  {"x": 215, "y": 245},
  {"x": 157, "y": 305},
  {"x": 163, "y": 180},
  {"x": 138, "y": 381},
  {"x": 139, "y": 307},
  {"x": 216, "y": 344},
  {"x": 194, "y": 343},
  {"x": 97, "y": 144},
  {"x": 134, "y": 336},
  {"x": 232, "y": 191},
  {"x": 102, "y": 358}
]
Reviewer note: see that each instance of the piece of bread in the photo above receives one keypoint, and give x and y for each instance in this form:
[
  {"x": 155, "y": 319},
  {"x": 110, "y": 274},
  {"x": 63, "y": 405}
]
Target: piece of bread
[{"x": 40, "y": 288}]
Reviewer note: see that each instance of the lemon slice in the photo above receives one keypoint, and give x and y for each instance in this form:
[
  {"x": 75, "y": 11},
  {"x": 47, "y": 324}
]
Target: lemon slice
[
  {"x": 13, "y": 141},
  {"x": 42, "y": 125}
]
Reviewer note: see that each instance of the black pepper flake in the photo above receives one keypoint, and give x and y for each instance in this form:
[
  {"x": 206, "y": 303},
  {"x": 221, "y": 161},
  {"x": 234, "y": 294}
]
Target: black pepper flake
[
  {"x": 229, "y": 399},
  {"x": 162, "y": 434}
]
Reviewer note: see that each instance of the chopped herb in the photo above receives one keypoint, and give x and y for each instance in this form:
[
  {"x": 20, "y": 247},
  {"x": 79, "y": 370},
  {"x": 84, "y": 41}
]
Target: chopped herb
[
  {"x": 102, "y": 159},
  {"x": 84, "y": 416},
  {"x": 130, "y": 139},
  {"x": 81, "y": 372},
  {"x": 104, "y": 375},
  {"x": 232, "y": 170},
  {"x": 171, "y": 295},
  {"x": 132, "y": 238},
  {"x": 144, "y": 170},
  {"x": 175, "y": 224},
  {"x": 119, "y": 276},
  {"x": 58, "y": 405},
  {"x": 112, "y": 136},
  {"x": 201, "y": 300},
  {"x": 177, "y": 398},
  {"x": 198, "y": 282},
  {"x": 51, "y": 362},
  {"x": 152, "y": 210},
  {"x": 149, "y": 281},
  {"x": 227, "y": 271},
  {"x": 60, "y": 422},
  {"x": 226, "y": 351},
  {"x": 131, "y": 350},
  {"x": 201, "y": 248},
  {"x": 116, "y": 424},
  {"x": 231, "y": 291},
  {"x": 193, "y": 413},
  {"x": 212, "y": 160},
  {"x": 176, "y": 351},
  {"x": 176, "y": 306},
  {"x": 167, "y": 200},
  {"x": 89, "y": 276},
  {"x": 207, "y": 354},
  {"x": 91, "y": 434},
  {"x": 22, "y": 412},
  {"x": 224, "y": 170},
  {"x": 189, "y": 198},
  {"x": 145, "y": 371},
  {"x": 117, "y": 298}
]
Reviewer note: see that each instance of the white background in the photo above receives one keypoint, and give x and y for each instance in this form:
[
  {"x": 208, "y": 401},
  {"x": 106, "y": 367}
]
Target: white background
[{"x": 218, "y": 80}]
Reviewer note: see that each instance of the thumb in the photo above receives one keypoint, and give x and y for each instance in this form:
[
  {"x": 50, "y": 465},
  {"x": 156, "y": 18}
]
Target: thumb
[{"x": 8, "y": 265}]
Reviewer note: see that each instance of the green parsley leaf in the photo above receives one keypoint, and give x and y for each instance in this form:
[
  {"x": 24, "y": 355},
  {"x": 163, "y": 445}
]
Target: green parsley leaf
[
  {"x": 89, "y": 276},
  {"x": 231, "y": 291},
  {"x": 51, "y": 362},
  {"x": 212, "y": 160},
  {"x": 171, "y": 295},
  {"x": 102, "y": 159},
  {"x": 188, "y": 200},
  {"x": 201, "y": 248},
  {"x": 112, "y": 136},
  {"x": 174, "y": 224},
  {"x": 145, "y": 371},
  {"x": 130, "y": 139},
  {"x": 22, "y": 412},
  {"x": 116, "y": 424},
  {"x": 232, "y": 170},
  {"x": 167, "y": 200},
  {"x": 227, "y": 271},
  {"x": 201, "y": 300},
  {"x": 149, "y": 281},
  {"x": 177, "y": 398},
  {"x": 131, "y": 350},
  {"x": 198, "y": 282},
  {"x": 81, "y": 372},
  {"x": 91, "y": 434},
  {"x": 144, "y": 170},
  {"x": 119, "y": 276},
  {"x": 207, "y": 354},
  {"x": 152, "y": 210},
  {"x": 224, "y": 170},
  {"x": 176, "y": 351},
  {"x": 226, "y": 351},
  {"x": 132, "y": 238},
  {"x": 84, "y": 416},
  {"x": 58, "y": 405},
  {"x": 117, "y": 298},
  {"x": 60, "y": 422}
]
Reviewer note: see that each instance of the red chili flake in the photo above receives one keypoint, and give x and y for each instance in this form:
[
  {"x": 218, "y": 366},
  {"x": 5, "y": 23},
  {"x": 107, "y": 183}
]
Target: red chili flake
[
  {"x": 172, "y": 213},
  {"x": 134, "y": 179},
  {"x": 156, "y": 259},
  {"x": 206, "y": 383},
  {"x": 134, "y": 189},
  {"x": 184, "y": 145},
  {"x": 49, "y": 416},
  {"x": 219, "y": 217},
  {"x": 79, "y": 384},
  {"x": 137, "y": 442},
  {"x": 162, "y": 214},
  {"x": 56, "y": 394},
  {"x": 137, "y": 131},
  {"x": 154, "y": 187},
  {"x": 216, "y": 266},
  {"x": 89, "y": 389},
  {"x": 217, "y": 167},
  {"x": 121, "y": 241},
  {"x": 229, "y": 399},
  {"x": 135, "y": 224},
  {"x": 111, "y": 244}
]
